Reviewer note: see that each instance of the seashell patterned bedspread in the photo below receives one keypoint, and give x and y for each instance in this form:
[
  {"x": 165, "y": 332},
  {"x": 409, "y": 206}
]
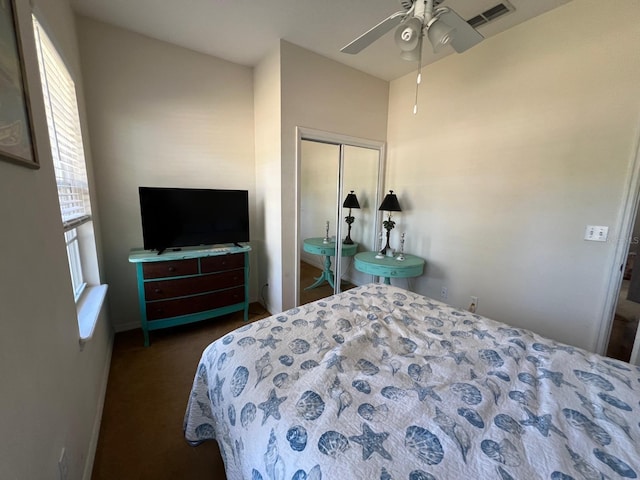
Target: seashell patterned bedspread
[{"x": 381, "y": 383}]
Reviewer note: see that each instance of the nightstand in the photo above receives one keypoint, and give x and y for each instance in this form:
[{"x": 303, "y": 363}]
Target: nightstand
[
  {"x": 389, "y": 267},
  {"x": 317, "y": 246}
]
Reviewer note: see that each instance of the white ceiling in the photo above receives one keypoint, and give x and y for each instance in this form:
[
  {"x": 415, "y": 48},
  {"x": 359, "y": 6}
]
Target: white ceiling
[{"x": 244, "y": 31}]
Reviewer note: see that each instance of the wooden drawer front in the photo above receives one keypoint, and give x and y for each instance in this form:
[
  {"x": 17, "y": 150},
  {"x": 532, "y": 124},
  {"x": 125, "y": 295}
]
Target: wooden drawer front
[
  {"x": 222, "y": 262},
  {"x": 165, "y": 289},
  {"x": 172, "y": 268},
  {"x": 199, "y": 303}
]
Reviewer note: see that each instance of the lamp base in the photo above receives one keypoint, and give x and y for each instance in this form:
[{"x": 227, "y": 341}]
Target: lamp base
[
  {"x": 347, "y": 240},
  {"x": 387, "y": 250}
]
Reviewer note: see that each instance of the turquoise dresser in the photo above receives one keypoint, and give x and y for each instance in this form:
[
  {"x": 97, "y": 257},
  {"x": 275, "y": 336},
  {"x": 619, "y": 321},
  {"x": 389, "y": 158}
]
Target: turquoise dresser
[{"x": 190, "y": 285}]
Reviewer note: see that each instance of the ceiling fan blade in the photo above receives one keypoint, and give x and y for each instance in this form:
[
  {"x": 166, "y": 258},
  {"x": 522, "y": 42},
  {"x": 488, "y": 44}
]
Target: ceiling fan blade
[
  {"x": 466, "y": 36},
  {"x": 370, "y": 36}
]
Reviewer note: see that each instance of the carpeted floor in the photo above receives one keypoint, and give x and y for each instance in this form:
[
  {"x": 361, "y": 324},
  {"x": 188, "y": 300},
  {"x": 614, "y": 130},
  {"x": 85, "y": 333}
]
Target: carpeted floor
[
  {"x": 308, "y": 274},
  {"x": 141, "y": 433},
  {"x": 625, "y": 324},
  {"x": 623, "y": 333}
]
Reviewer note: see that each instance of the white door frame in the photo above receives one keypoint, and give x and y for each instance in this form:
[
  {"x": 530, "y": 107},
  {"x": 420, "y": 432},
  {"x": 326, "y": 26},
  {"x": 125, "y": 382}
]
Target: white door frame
[
  {"x": 312, "y": 134},
  {"x": 631, "y": 196}
]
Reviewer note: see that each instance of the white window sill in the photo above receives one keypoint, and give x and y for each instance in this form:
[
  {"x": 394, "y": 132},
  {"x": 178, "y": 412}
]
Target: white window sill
[{"x": 88, "y": 309}]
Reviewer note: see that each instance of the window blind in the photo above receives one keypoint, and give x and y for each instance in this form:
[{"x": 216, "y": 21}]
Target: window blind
[{"x": 64, "y": 132}]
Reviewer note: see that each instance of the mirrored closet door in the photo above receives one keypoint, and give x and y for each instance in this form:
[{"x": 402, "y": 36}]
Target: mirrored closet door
[{"x": 335, "y": 173}]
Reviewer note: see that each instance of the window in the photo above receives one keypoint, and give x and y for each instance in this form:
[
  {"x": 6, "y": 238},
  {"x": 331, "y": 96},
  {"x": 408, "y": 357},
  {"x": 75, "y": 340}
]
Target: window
[
  {"x": 75, "y": 265},
  {"x": 67, "y": 150}
]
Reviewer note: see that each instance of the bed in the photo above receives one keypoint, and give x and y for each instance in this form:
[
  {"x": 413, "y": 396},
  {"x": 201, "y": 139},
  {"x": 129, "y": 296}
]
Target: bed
[{"x": 382, "y": 383}]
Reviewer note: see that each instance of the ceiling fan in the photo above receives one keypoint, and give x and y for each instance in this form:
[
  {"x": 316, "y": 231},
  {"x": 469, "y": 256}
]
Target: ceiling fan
[{"x": 441, "y": 24}]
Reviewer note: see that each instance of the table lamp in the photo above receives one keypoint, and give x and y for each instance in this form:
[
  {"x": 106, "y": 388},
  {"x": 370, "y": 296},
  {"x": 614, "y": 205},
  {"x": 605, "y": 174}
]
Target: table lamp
[
  {"x": 389, "y": 204},
  {"x": 350, "y": 202}
]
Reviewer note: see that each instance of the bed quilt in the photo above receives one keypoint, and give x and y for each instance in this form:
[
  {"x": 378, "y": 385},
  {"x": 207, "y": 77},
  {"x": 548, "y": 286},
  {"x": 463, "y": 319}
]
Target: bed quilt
[{"x": 381, "y": 383}]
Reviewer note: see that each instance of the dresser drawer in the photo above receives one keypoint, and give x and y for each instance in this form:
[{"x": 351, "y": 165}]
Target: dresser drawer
[
  {"x": 222, "y": 262},
  {"x": 165, "y": 289},
  {"x": 172, "y": 268},
  {"x": 200, "y": 303}
]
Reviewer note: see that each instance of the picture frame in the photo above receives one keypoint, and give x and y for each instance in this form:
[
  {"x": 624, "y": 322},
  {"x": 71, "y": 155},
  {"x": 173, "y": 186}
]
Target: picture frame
[{"x": 17, "y": 141}]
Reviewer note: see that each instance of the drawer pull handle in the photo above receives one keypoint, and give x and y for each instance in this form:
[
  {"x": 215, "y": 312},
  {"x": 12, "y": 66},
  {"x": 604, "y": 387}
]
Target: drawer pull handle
[
  {"x": 172, "y": 269},
  {"x": 157, "y": 290}
]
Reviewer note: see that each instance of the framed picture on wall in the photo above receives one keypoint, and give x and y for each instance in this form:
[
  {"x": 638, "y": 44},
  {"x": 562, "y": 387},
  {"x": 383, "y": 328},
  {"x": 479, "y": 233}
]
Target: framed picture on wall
[{"x": 17, "y": 143}]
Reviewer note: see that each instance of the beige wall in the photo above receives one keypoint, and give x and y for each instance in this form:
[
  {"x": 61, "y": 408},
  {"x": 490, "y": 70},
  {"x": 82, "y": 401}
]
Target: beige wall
[
  {"x": 519, "y": 144},
  {"x": 297, "y": 88},
  {"x": 52, "y": 391},
  {"x": 267, "y": 108},
  {"x": 160, "y": 115},
  {"x": 325, "y": 95}
]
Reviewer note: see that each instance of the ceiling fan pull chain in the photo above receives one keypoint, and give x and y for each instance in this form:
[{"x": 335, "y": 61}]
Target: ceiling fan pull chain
[
  {"x": 415, "y": 104},
  {"x": 418, "y": 78}
]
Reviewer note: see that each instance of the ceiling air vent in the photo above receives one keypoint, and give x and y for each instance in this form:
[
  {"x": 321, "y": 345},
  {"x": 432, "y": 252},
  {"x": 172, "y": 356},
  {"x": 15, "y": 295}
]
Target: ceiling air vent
[{"x": 491, "y": 14}]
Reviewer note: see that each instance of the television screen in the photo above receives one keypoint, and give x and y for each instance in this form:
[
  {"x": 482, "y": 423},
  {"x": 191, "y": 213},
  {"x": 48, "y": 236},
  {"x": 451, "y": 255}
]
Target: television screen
[{"x": 183, "y": 217}]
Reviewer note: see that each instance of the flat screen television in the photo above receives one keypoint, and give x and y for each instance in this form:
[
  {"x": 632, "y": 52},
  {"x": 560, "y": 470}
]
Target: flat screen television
[{"x": 184, "y": 217}]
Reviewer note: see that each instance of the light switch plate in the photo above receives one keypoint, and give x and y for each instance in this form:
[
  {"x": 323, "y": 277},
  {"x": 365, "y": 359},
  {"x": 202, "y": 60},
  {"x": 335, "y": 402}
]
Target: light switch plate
[{"x": 596, "y": 233}]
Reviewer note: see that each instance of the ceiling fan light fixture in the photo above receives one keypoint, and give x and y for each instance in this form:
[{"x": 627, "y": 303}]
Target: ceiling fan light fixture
[
  {"x": 413, "y": 55},
  {"x": 439, "y": 33},
  {"x": 408, "y": 35}
]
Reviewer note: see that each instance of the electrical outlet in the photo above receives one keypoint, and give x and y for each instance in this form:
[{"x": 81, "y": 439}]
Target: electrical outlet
[
  {"x": 473, "y": 306},
  {"x": 444, "y": 293},
  {"x": 63, "y": 465}
]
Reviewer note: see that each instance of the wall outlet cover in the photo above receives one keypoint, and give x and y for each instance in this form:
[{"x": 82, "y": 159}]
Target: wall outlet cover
[{"x": 596, "y": 233}]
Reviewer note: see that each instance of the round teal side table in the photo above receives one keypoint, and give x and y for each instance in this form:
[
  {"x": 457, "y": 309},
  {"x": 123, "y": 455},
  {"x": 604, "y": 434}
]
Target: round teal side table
[
  {"x": 389, "y": 267},
  {"x": 317, "y": 246}
]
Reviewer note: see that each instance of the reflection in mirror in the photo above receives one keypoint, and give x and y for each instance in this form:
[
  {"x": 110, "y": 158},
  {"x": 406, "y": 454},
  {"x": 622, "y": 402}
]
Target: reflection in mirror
[
  {"x": 328, "y": 172},
  {"x": 319, "y": 168},
  {"x": 360, "y": 174}
]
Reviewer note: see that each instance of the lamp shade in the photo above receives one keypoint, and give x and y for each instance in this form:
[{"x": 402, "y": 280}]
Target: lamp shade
[
  {"x": 390, "y": 203},
  {"x": 408, "y": 34},
  {"x": 413, "y": 55},
  {"x": 439, "y": 34},
  {"x": 351, "y": 201}
]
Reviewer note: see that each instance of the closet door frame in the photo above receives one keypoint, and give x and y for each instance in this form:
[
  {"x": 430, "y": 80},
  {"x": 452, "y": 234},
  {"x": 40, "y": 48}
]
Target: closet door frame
[{"x": 314, "y": 135}]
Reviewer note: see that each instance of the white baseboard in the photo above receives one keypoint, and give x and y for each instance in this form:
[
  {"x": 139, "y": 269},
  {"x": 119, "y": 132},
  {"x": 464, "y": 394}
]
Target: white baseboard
[
  {"x": 124, "y": 327},
  {"x": 95, "y": 433}
]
